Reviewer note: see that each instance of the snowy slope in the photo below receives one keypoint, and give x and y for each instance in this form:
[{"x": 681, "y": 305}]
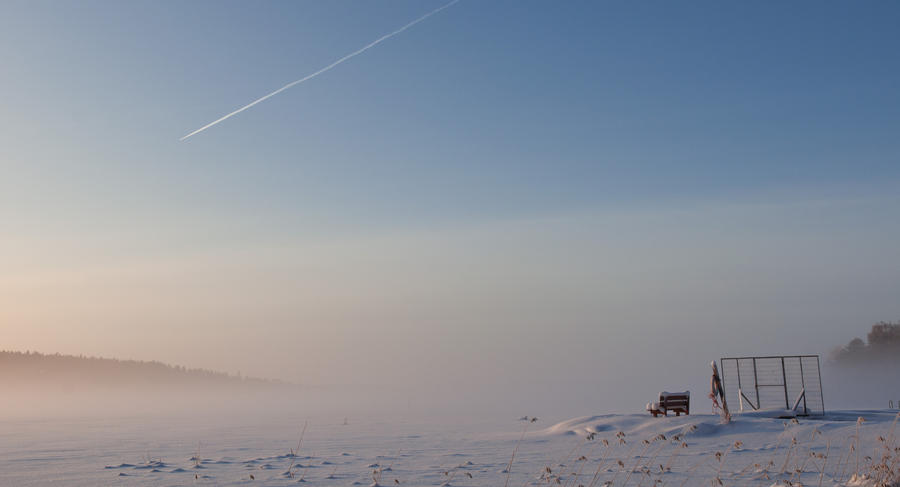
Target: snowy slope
[{"x": 755, "y": 449}]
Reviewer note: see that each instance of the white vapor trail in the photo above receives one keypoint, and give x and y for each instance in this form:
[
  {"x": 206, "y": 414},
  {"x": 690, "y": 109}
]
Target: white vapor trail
[{"x": 326, "y": 68}]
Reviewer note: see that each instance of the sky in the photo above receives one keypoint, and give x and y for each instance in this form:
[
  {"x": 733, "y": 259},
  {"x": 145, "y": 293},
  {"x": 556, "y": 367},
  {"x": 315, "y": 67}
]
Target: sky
[{"x": 512, "y": 202}]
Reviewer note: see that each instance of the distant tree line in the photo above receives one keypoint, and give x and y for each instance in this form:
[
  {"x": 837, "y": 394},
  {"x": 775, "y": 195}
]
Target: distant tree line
[
  {"x": 883, "y": 343},
  {"x": 35, "y": 368}
]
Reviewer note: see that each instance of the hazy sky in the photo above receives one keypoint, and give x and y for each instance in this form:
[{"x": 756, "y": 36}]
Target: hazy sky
[{"x": 536, "y": 199}]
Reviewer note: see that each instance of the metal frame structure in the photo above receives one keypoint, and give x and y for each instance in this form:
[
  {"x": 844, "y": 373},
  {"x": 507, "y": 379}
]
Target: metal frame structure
[{"x": 771, "y": 382}]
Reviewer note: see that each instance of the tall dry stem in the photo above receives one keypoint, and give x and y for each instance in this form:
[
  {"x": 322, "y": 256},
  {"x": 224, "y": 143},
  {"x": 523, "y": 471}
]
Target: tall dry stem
[
  {"x": 824, "y": 462},
  {"x": 647, "y": 444},
  {"x": 606, "y": 450},
  {"x": 859, "y": 421},
  {"x": 516, "y": 449}
]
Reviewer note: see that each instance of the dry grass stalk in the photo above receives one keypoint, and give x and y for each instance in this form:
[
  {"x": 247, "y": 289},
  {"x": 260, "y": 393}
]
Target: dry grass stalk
[
  {"x": 294, "y": 453},
  {"x": 824, "y": 462},
  {"x": 527, "y": 421},
  {"x": 647, "y": 444}
]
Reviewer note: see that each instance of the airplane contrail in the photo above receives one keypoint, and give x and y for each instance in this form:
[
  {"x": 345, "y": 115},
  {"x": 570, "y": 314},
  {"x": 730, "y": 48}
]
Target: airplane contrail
[{"x": 326, "y": 68}]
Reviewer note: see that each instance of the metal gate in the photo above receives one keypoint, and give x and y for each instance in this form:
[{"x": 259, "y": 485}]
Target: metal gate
[{"x": 790, "y": 382}]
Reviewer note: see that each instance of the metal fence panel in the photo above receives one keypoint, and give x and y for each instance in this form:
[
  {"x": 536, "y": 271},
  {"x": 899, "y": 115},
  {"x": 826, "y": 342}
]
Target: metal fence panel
[{"x": 790, "y": 382}]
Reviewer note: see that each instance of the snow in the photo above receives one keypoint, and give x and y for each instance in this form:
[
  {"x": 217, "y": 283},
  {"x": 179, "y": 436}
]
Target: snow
[
  {"x": 754, "y": 449},
  {"x": 665, "y": 394}
]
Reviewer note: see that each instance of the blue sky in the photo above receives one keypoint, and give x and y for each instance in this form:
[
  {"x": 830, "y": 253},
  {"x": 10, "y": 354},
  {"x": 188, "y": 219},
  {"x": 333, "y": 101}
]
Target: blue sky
[
  {"x": 488, "y": 109},
  {"x": 771, "y": 120}
]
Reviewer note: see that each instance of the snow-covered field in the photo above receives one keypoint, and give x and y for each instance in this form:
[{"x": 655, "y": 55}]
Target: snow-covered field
[{"x": 615, "y": 449}]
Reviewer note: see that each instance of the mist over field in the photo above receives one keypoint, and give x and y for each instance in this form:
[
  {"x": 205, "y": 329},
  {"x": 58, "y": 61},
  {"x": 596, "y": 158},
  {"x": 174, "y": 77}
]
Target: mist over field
[{"x": 545, "y": 315}]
